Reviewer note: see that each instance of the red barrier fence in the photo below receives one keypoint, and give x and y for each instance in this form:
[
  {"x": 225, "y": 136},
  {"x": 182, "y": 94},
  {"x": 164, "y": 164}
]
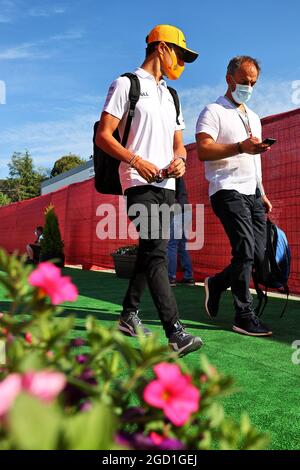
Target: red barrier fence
[{"x": 76, "y": 207}]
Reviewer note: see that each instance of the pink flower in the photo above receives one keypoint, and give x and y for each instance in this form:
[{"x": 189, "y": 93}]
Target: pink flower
[
  {"x": 9, "y": 390},
  {"x": 203, "y": 378},
  {"x": 87, "y": 406},
  {"x": 81, "y": 358},
  {"x": 173, "y": 393},
  {"x": 50, "y": 281},
  {"x": 28, "y": 337},
  {"x": 10, "y": 338},
  {"x": 43, "y": 385},
  {"x": 156, "y": 438},
  {"x": 50, "y": 354}
]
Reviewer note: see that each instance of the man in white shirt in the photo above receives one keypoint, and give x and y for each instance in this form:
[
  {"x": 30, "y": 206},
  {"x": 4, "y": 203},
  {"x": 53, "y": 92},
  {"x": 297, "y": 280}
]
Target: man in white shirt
[
  {"x": 154, "y": 143},
  {"x": 34, "y": 249},
  {"x": 228, "y": 138}
]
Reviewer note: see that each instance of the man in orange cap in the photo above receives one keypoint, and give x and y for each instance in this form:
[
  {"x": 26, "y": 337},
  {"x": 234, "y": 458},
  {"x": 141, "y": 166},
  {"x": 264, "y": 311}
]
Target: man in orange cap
[{"x": 154, "y": 144}]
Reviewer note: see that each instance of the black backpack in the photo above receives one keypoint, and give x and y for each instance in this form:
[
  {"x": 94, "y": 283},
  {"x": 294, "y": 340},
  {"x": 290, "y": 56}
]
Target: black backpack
[
  {"x": 106, "y": 168},
  {"x": 274, "y": 271}
]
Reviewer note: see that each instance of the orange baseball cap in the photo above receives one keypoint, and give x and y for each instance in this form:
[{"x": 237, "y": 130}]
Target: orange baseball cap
[{"x": 169, "y": 33}]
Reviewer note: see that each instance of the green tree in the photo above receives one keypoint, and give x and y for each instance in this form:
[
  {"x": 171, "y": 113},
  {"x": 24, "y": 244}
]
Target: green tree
[
  {"x": 24, "y": 180},
  {"x": 4, "y": 199},
  {"x": 5, "y": 188},
  {"x": 52, "y": 245},
  {"x": 66, "y": 163}
]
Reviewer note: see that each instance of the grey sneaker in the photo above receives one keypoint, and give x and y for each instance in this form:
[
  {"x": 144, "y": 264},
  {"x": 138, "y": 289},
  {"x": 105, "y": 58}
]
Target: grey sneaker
[
  {"x": 130, "y": 323},
  {"x": 182, "y": 342},
  {"x": 251, "y": 325}
]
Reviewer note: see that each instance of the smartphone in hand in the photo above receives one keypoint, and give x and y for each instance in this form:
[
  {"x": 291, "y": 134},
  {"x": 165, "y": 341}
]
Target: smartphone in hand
[{"x": 269, "y": 141}]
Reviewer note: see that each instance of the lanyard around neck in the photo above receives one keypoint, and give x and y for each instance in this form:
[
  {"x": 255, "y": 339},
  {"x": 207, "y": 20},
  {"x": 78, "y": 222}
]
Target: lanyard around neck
[
  {"x": 246, "y": 122},
  {"x": 243, "y": 116}
]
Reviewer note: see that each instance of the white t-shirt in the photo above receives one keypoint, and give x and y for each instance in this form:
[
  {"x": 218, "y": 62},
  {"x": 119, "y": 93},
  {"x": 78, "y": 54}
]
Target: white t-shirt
[
  {"x": 222, "y": 122},
  {"x": 152, "y": 129},
  {"x": 39, "y": 238}
]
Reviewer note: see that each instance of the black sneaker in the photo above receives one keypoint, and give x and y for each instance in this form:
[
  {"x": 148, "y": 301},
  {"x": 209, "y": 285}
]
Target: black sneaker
[
  {"x": 182, "y": 342},
  {"x": 187, "y": 282},
  {"x": 130, "y": 323},
  {"x": 212, "y": 297},
  {"x": 172, "y": 282},
  {"x": 251, "y": 325}
]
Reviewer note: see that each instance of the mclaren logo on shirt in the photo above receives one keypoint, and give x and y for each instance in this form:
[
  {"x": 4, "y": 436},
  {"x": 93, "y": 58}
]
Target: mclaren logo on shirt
[{"x": 144, "y": 94}]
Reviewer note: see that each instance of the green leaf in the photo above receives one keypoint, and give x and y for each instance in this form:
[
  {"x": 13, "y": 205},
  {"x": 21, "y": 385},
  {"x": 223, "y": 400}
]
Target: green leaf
[
  {"x": 92, "y": 430},
  {"x": 32, "y": 361},
  {"x": 205, "y": 442},
  {"x": 34, "y": 425},
  {"x": 215, "y": 413},
  {"x": 245, "y": 424}
]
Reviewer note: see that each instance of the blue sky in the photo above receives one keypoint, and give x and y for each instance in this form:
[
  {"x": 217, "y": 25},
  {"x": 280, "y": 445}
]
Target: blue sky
[{"x": 57, "y": 59}]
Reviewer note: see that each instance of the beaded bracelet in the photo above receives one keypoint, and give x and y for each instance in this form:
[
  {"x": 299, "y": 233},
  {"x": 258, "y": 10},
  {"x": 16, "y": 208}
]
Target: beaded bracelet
[{"x": 133, "y": 160}]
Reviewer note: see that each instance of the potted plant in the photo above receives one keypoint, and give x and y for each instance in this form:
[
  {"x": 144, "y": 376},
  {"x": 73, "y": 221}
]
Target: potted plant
[
  {"x": 52, "y": 246},
  {"x": 124, "y": 260}
]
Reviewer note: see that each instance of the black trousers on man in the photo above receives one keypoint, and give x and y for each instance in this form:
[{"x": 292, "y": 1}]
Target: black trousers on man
[
  {"x": 243, "y": 218},
  {"x": 152, "y": 264}
]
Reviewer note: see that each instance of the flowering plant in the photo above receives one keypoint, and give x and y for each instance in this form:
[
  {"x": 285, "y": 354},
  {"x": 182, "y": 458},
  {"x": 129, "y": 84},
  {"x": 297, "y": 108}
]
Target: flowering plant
[
  {"x": 59, "y": 390},
  {"x": 126, "y": 250}
]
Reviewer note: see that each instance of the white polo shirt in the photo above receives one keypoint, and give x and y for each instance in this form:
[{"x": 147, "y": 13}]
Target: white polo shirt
[
  {"x": 152, "y": 129},
  {"x": 222, "y": 122}
]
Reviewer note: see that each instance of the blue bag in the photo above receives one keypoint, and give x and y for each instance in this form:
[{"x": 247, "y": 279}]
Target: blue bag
[{"x": 275, "y": 269}]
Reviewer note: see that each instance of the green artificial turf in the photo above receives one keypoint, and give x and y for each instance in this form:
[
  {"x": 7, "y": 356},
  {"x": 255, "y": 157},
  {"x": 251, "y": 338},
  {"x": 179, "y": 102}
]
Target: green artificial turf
[{"x": 262, "y": 367}]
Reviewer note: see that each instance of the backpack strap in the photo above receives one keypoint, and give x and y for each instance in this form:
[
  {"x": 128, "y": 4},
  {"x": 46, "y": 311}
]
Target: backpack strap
[
  {"x": 265, "y": 301},
  {"x": 134, "y": 95},
  {"x": 287, "y": 292},
  {"x": 176, "y": 103},
  {"x": 274, "y": 266},
  {"x": 271, "y": 243}
]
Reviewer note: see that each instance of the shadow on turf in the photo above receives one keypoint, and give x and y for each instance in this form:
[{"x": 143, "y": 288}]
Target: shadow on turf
[
  {"x": 103, "y": 315},
  {"x": 105, "y": 287}
]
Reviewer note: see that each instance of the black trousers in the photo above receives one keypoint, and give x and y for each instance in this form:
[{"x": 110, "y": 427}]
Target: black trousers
[
  {"x": 243, "y": 218},
  {"x": 36, "y": 252},
  {"x": 152, "y": 264}
]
